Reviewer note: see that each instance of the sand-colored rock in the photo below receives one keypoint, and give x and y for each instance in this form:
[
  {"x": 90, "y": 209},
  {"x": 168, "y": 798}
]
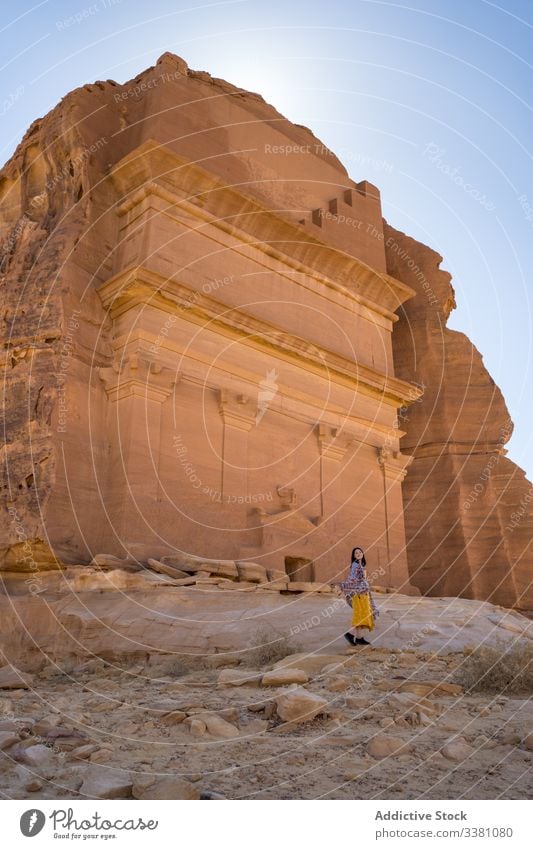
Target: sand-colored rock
[
  {"x": 217, "y": 726},
  {"x": 13, "y": 679},
  {"x": 386, "y": 746},
  {"x": 312, "y": 663},
  {"x": 457, "y": 750},
  {"x": 253, "y": 572},
  {"x": 281, "y": 677},
  {"x": 103, "y": 783},
  {"x": 74, "y": 200},
  {"x": 468, "y": 508},
  {"x": 165, "y": 569},
  {"x": 7, "y": 739},
  {"x": 239, "y": 677},
  {"x": 70, "y": 196},
  {"x": 150, "y": 618},
  {"x": 300, "y": 706},
  {"x": 170, "y": 787}
]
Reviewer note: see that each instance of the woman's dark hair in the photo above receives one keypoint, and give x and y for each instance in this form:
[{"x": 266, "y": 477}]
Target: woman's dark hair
[{"x": 363, "y": 559}]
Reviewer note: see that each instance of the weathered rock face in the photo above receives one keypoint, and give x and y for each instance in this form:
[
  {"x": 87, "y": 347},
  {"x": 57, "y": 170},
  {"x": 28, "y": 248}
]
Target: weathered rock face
[
  {"x": 205, "y": 361},
  {"x": 198, "y": 307},
  {"x": 468, "y": 508}
]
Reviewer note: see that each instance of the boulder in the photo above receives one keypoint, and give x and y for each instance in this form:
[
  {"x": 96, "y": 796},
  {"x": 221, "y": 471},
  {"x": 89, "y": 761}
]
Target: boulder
[
  {"x": 165, "y": 569},
  {"x": 386, "y": 746},
  {"x": 252, "y": 572},
  {"x": 191, "y": 565},
  {"x": 300, "y": 706},
  {"x": 280, "y": 677},
  {"x": 101, "y": 783},
  {"x": 276, "y": 575},
  {"x": 12, "y": 679}
]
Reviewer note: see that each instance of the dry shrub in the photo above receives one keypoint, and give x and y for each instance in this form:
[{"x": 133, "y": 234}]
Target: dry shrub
[
  {"x": 267, "y": 648},
  {"x": 501, "y": 668},
  {"x": 175, "y": 666}
]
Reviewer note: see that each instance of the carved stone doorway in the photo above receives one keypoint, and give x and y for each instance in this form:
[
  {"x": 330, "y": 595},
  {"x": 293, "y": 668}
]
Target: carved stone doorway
[{"x": 299, "y": 569}]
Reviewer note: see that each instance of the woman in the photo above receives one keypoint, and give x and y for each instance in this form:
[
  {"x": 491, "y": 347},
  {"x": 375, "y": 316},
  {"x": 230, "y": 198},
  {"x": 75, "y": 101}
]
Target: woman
[{"x": 356, "y": 591}]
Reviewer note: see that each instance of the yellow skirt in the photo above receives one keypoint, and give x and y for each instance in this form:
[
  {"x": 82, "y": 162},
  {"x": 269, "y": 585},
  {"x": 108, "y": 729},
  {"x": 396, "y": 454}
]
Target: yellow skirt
[{"x": 362, "y": 613}]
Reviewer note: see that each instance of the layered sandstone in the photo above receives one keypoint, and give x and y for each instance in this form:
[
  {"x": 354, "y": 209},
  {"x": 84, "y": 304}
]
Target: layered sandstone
[
  {"x": 198, "y": 305},
  {"x": 468, "y": 508}
]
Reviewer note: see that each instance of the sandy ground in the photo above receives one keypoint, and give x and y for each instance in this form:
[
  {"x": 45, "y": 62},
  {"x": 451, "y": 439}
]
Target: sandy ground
[{"x": 392, "y": 720}]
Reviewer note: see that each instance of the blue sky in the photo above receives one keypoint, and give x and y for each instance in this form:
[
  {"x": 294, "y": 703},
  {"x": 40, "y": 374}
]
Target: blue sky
[{"x": 429, "y": 99}]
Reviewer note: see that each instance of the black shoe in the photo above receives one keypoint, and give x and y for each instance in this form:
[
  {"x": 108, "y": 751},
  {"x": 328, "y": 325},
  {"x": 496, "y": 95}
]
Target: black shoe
[
  {"x": 350, "y": 638},
  {"x": 360, "y": 641}
]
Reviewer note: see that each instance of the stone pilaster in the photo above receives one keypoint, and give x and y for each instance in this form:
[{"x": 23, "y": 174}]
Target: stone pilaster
[
  {"x": 239, "y": 415},
  {"x": 394, "y": 467},
  {"x": 136, "y": 388}
]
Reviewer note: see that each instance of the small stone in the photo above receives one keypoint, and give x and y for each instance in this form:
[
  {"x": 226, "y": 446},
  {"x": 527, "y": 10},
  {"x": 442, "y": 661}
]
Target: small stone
[
  {"x": 528, "y": 741},
  {"x": 12, "y": 679},
  {"x": 197, "y": 727},
  {"x": 167, "y": 788},
  {"x": 282, "y": 676},
  {"x": 300, "y": 706},
  {"x": 174, "y": 717},
  {"x": 386, "y": 746},
  {"x": 457, "y": 750},
  {"x": 431, "y": 688},
  {"x": 239, "y": 677},
  {"x": 218, "y": 727},
  {"x": 101, "y": 756},
  {"x": 210, "y": 795},
  {"x": 84, "y": 752},
  {"x": 102, "y": 783},
  {"x": 337, "y": 684},
  {"x": 37, "y": 755},
  {"x": 7, "y": 739}
]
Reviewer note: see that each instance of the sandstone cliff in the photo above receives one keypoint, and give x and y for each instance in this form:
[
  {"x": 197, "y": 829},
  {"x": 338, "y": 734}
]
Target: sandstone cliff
[
  {"x": 468, "y": 513},
  {"x": 57, "y": 245}
]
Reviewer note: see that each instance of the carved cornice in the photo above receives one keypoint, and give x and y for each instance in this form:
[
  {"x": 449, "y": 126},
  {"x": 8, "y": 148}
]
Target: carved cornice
[
  {"x": 153, "y": 168},
  {"x": 138, "y": 285},
  {"x": 138, "y": 376}
]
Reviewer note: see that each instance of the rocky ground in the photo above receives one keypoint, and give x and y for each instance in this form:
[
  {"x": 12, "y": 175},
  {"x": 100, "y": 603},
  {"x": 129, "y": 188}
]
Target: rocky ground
[
  {"x": 369, "y": 723},
  {"x": 251, "y": 695}
]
